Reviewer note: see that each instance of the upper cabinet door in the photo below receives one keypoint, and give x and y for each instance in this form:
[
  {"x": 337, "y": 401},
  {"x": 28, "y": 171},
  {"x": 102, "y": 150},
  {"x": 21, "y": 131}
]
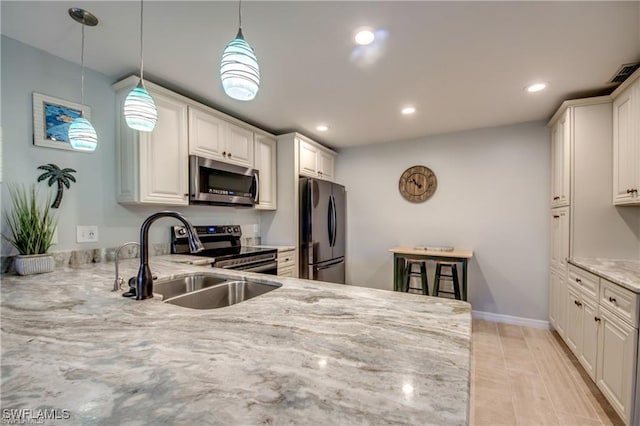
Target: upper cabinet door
[
  {"x": 265, "y": 162},
  {"x": 239, "y": 146},
  {"x": 326, "y": 164},
  {"x": 626, "y": 146},
  {"x": 206, "y": 134},
  {"x": 560, "y": 158},
  {"x": 308, "y": 159},
  {"x": 163, "y": 166}
]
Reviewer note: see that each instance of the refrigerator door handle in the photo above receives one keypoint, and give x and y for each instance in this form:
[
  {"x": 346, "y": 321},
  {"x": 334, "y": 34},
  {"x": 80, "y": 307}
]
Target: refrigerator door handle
[
  {"x": 335, "y": 222},
  {"x": 330, "y": 221},
  {"x": 320, "y": 268}
]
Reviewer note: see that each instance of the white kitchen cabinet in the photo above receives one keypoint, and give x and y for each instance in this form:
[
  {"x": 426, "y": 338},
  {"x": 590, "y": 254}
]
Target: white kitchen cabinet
[
  {"x": 153, "y": 166},
  {"x": 316, "y": 161},
  {"x": 557, "y": 301},
  {"x": 265, "y": 162},
  {"x": 561, "y": 160},
  {"x": 559, "y": 238},
  {"x": 287, "y": 263},
  {"x": 587, "y": 355},
  {"x": 573, "y": 329},
  {"x": 626, "y": 146},
  {"x": 206, "y": 134},
  {"x": 213, "y": 137},
  {"x": 617, "y": 360}
]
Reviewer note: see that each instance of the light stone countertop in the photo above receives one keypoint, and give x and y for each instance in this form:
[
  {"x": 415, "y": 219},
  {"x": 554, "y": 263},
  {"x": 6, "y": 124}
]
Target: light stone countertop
[
  {"x": 306, "y": 353},
  {"x": 625, "y": 273}
]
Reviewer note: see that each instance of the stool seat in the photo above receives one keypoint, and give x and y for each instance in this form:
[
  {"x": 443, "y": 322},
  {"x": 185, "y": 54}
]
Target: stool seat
[
  {"x": 409, "y": 263},
  {"x": 452, "y": 276}
]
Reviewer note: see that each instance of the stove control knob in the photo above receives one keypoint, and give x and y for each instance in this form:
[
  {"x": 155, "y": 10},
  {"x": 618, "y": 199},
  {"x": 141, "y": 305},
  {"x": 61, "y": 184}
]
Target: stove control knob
[
  {"x": 236, "y": 228},
  {"x": 229, "y": 229},
  {"x": 182, "y": 231}
]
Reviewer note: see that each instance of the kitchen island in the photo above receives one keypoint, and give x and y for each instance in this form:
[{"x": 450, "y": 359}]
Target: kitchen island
[{"x": 306, "y": 353}]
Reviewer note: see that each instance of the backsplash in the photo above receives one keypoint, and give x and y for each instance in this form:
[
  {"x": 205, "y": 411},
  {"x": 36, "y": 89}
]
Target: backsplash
[{"x": 74, "y": 258}]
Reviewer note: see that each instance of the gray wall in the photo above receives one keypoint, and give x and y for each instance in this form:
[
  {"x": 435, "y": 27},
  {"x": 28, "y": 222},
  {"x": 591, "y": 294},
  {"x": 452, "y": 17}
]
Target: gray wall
[
  {"x": 492, "y": 197},
  {"x": 91, "y": 201}
]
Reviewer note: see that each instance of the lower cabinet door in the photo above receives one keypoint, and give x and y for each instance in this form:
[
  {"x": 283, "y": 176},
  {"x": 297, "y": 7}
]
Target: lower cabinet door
[
  {"x": 573, "y": 328},
  {"x": 590, "y": 328},
  {"x": 557, "y": 301},
  {"x": 616, "y": 355}
]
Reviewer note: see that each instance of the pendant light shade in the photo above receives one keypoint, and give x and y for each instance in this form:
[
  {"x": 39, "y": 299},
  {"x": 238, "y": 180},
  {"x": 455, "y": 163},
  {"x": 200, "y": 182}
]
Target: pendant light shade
[
  {"x": 239, "y": 70},
  {"x": 82, "y": 135},
  {"x": 140, "y": 110}
]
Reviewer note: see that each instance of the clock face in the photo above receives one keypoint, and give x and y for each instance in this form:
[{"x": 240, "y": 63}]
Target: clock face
[{"x": 417, "y": 184}]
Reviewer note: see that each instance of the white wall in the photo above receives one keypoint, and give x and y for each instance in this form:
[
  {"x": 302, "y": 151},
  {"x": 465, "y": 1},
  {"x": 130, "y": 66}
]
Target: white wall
[
  {"x": 492, "y": 197},
  {"x": 90, "y": 201}
]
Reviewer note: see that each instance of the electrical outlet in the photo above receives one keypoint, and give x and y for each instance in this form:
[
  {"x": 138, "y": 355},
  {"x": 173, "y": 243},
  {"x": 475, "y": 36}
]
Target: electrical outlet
[
  {"x": 87, "y": 234},
  {"x": 255, "y": 228}
]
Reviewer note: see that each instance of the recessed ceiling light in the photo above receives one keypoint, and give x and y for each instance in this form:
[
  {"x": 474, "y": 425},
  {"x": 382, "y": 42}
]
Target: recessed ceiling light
[
  {"x": 408, "y": 110},
  {"x": 365, "y": 36},
  {"x": 536, "y": 87},
  {"x": 322, "y": 128}
]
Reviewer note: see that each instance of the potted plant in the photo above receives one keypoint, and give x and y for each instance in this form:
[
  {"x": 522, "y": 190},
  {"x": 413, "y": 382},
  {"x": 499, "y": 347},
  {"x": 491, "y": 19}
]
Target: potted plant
[{"x": 31, "y": 230}]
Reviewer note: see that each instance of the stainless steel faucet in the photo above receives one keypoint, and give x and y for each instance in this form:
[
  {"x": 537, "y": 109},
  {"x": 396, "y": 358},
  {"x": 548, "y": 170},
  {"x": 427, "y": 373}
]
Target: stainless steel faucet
[
  {"x": 144, "y": 280},
  {"x": 119, "y": 281}
]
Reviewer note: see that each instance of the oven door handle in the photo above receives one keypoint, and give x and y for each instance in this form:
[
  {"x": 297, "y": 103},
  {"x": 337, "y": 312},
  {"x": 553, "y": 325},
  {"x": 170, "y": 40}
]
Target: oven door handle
[{"x": 260, "y": 268}]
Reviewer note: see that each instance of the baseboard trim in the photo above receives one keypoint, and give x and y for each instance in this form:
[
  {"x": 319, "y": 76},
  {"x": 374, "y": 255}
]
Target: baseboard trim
[{"x": 508, "y": 319}]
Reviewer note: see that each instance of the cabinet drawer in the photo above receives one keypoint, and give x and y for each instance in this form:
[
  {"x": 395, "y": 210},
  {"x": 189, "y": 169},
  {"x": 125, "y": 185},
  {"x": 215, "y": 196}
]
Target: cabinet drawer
[
  {"x": 286, "y": 259},
  {"x": 587, "y": 281},
  {"x": 620, "y": 301},
  {"x": 287, "y": 272}
]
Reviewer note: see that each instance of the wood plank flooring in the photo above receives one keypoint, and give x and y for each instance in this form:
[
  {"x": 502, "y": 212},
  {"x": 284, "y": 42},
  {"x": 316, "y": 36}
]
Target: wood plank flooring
[{"x": 527, "y": 376}]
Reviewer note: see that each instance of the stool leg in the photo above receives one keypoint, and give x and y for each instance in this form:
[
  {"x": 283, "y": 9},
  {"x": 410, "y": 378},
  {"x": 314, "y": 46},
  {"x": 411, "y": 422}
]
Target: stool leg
[
  {"x": 423, "y": 278},
  {"x": 456, "y": 284},
  {"x": 407, "y": 272},
  {"x": 436, "y": 281}
]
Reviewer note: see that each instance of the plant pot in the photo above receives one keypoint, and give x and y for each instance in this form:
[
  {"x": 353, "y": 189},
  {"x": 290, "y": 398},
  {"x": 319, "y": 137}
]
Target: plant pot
[{"x": 33, "y": 264}]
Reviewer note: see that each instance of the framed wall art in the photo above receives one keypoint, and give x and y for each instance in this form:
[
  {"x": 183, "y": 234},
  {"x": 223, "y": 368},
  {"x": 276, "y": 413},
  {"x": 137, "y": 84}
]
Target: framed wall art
[{"x": 52, "y": 118}]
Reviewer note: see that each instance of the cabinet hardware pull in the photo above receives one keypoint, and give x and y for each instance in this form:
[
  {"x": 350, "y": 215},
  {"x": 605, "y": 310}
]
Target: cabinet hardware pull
[
  {"x": 556, "y": 198},
  {"x": 555, "y": 216},
  {"x": 596, "y": 319},
  {"x": 186, "y": 195},
  {"x": 229, "y": 155},
  {"x": 635, "y": 191},
  {"x": 629, "y": 191},
  {"x": 224, "y": 153},
  {"x": 612, "y": 299},
  {"x": 575, "y": 302},
  {"x": 578, "y": 280},
  {"x": 579, "y": 304}
]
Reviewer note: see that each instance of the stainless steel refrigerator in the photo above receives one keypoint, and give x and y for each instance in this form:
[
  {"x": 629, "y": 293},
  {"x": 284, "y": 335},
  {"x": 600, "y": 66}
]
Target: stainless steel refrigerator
[{"x": 322, "y": 230}]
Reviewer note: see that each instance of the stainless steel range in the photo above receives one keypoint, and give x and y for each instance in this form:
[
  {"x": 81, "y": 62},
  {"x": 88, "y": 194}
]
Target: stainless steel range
[{"x": 222, "y": 243}]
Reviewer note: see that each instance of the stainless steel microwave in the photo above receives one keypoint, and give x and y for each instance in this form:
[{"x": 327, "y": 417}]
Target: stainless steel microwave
[{"x": 218, "y": 183}]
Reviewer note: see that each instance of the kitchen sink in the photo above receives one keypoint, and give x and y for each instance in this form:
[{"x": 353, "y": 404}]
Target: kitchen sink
[
  {"x": 210, "y": 292},
  {"x": 188, "y": 284}
]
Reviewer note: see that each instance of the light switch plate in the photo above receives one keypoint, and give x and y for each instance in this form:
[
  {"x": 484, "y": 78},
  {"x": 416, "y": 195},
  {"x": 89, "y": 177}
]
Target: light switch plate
[{"x": 87, "y": 234}]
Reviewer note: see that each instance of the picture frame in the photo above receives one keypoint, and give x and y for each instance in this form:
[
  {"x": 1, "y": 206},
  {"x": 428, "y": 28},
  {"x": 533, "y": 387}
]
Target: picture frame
[{"x": 52, "y": 118}]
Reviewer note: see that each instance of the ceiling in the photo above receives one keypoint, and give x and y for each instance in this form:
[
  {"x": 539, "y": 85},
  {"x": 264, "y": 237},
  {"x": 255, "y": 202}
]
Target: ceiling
[{"x": 463, "y": 65}]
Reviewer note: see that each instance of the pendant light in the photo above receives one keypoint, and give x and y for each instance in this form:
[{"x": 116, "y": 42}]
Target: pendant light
[
  {"x": 140, "y": 111},
  {"x": 239, "y": 69},
  {"x": 82, "y": 135}
]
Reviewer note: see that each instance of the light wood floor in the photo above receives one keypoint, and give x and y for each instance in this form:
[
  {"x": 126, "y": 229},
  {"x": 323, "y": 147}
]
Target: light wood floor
[{"x": 527, "y": 376}]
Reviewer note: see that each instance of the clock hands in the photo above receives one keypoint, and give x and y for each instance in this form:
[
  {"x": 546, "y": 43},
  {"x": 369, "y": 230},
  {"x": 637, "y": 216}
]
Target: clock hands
[{"x": 414, "y": 181}]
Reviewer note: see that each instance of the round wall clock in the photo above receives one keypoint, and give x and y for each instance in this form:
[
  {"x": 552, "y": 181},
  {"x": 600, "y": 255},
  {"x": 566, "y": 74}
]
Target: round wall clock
[{"x": 417, "y": 184}]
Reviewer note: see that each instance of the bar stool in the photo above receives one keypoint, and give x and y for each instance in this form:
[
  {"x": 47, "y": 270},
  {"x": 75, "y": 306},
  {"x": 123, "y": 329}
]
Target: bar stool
[
  {"x": 422, "y": 274},
  {"x": 453, "y": 277}
]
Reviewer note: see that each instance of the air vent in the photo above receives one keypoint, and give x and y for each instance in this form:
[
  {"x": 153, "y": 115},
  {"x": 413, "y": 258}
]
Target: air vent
[{"x": 623, "y": 72}]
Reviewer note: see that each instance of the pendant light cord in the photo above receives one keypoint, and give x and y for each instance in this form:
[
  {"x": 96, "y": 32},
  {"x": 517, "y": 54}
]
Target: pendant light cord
[
  {"x": 141, "y": 44},
  {"x": 82, "y": 71},
  {"x": 240, "y": 14}
]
